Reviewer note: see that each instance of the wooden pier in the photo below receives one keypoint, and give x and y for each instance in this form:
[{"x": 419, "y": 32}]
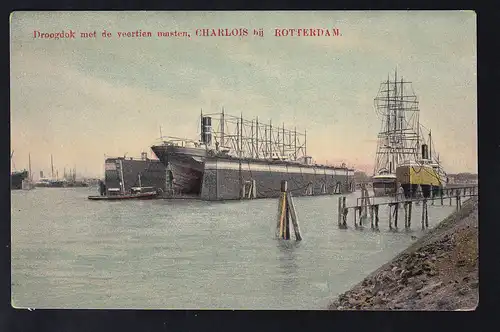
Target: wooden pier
[{"x": 366, "y": 206}]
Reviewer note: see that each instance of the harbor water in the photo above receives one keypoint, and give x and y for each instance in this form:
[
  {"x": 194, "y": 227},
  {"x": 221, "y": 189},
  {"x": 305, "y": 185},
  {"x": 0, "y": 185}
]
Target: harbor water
[{"x": 69, "y": 252}]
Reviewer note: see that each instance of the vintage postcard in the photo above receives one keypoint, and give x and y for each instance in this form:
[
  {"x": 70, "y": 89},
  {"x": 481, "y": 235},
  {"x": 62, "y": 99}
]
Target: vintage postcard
[{"x": 244, "y": 160}]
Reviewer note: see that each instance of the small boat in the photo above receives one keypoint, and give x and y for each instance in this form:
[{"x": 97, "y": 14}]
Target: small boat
[{"x": 146, "y": 195}]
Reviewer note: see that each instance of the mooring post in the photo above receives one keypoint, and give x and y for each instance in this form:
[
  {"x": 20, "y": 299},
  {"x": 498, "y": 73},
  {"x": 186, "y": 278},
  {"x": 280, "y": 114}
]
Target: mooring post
[
  {"x": 293, "y": 215},
  {"x": 371, "y": 216},
  {"x": 355, "y": 213},
  {"x": 426, "y": 214},
  {"x": 457, "y": 197},
  {"x": 287, "y": 218},
  {"x": 376, "y": 216},
  {"x": 405, "y": 205},
  {"x": 441, "y": 194},
  {"x": 339, "y": 214},
  {"x": 450, "y": 194},
  {"x": 345, "y": 210},
  {"x": 410, "y": 204},
  {"x": 423, "y": 214},
  {"x": 390, "y": 216},
  {"x": 396, "y": 215},
  {"x": 432, "y": 195},
  {"x": 283, "y": 215}
]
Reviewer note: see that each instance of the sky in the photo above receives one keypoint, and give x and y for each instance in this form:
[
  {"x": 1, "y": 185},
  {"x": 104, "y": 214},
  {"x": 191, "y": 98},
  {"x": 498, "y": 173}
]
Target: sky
[{"x": 86, "y": 98}]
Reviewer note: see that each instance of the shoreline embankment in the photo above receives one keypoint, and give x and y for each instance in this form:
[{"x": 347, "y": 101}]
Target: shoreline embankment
[{"x": 437, "y": 272}]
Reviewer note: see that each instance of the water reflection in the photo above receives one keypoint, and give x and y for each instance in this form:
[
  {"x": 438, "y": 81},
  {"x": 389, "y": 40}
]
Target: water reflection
[{"x": 289, "y": 270}]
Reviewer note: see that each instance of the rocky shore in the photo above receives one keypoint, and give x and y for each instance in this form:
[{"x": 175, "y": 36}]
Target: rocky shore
[{"x": 438, "y": 272}]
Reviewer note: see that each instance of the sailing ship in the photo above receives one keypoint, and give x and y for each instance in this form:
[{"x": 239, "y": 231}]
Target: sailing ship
[{"x": 404, "y": 155}]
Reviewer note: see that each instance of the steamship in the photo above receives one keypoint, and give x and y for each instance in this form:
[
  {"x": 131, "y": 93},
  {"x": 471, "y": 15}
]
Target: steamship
[
  {"x": 404, "y": 156},
  {"x": 232, "y": 151}
]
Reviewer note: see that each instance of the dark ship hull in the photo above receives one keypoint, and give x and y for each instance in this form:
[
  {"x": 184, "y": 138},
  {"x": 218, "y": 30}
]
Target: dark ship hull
[
  {"x": 196, "y": 171},
  {"x": 16, "y": 179},
  {"x": 135, "y": 173}
]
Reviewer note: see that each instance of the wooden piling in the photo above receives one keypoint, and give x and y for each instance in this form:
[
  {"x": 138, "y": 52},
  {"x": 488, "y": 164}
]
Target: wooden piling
[
  {"x": 339, "y": 212},
  {"x": 371, "y": 216},
  {"x": 426, "y": 214},
  {"x": 457, "y": 198},
  {"x": 286, "y": 212},
  {"x": 293, "y": 215},
  {"x": 376, "y": 216},
  {"x": 441, "y": 194},
  {"x": 355, "y": 212},
  {"x": 405, "y": 204},
  {"x": 396, "y": 215},
  {"x": 409, "y": 213},
  {"x": 345, "y": 210},
  {"x": 390, "y": 216},
  {"x": 424, "y": 204},
  {"x": 287, "y": 219}
]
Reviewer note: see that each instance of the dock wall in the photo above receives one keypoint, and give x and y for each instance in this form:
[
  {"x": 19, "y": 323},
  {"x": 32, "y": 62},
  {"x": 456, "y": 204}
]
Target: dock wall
[{"x": 223, "y": 180}]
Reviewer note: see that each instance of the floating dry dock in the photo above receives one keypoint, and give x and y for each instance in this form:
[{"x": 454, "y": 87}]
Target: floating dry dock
[{"x": 237, "y": 159}]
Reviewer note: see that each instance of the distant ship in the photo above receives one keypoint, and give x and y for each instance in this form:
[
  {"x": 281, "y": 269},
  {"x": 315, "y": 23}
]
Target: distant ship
[
  {"x": 17, "y": 178},
  {"x": 236, "y": 152},
  {"x": 403, "y": 158}
]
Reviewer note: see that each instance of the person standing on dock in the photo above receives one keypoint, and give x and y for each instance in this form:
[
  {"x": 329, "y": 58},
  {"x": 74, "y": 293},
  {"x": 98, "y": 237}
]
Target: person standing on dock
[
  {"x": 401, "y": 193},
  {"x": 102, "y": 189}
]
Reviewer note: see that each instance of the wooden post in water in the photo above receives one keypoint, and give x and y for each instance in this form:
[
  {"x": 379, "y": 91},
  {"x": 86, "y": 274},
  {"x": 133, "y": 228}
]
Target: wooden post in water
[
  {"x": 450, "y": 195},
  {"x": 432, "y": 196},
  {"x": 339, "y": 212},
  {"x": 355, "y": 212},
  {"x": 426, "y": 214},
  {"x": 410, "y": 204},
  {"x": 376, "y": 216},
  {"x": 286, "y": 211},
  {"x": 371, "y": 216},
  {"x": 405, "y": 205},
  {"x": 441, "y": 194},
  {"x": 390, "y": 216},
  {"x": 284, "y": 224},
  {"x": 424, "y": 207},
  {"x": 293, "y": 215},
  {"x": 345, "y": 210},
  {"x": 396, "y": 215}
]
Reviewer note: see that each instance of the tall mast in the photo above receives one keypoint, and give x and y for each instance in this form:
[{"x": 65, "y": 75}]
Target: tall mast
[
  {"x": 222, "y": 126},
  {"x": 283, "y": 138},
  {"x": 52, "y": 166},
  {"x": 238, "y": 150},
  {"x": 388, "y": 110},
  {"x": 29, "y": 165},
  {"x": 295, "y": 144},
  {"x": 305, "y": 142},
  {"x": 201, "y": 124},
  {"x": 257, "y": 137},
  {"x": 270, "y": 139},
  {"x": 241, "y": 134},
  {"x": 252, "y": 147}
]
